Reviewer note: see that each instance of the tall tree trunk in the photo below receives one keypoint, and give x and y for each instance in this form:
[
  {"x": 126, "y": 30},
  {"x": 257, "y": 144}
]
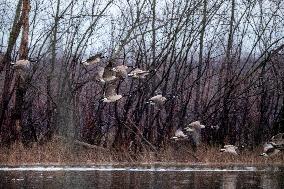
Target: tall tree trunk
[
  {"x": 16, "y": 28},
  {"x": 21, "y": 82}
]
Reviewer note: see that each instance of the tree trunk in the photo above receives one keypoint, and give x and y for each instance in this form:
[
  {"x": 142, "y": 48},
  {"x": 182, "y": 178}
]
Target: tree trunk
[{"x": 21, "y": 82}]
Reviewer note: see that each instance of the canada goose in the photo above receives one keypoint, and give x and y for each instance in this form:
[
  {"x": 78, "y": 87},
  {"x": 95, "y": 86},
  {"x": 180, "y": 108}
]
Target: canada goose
[
  {"x": 21, "y": 64},
  {"x": 194, "y": 132},
  {"x": 229, "y": 149},
  {"x": 93, "y": 59},
  {"x": 269, "y": 150},
  {"x": 121, "y": 71},
  {"x": 158, "y": 99},
  {"x": 138, "y": 73},
  {"x": 110, "y": 93}
]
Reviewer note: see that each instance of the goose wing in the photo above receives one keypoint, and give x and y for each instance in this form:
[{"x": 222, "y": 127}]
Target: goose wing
[
  {"x": 180, "y": 133},
  {"x": 156, "y": 98},
  {"x": 108, "y": 72},
  {"x": 136, "y": 71},
  {"x": 110, "y": 90}
]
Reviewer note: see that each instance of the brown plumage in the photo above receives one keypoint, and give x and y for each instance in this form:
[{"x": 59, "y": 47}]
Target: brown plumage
[{"x": 158, "y": 99}]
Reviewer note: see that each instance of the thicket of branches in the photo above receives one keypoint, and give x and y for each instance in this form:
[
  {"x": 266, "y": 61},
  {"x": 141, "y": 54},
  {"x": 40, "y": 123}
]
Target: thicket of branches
[{"x": 222, "y": 59}]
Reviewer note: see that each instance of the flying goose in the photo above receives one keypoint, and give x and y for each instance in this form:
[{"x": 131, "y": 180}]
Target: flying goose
[
  {"x": 138, "y": 73},
  {"x": 121, "y": 71},
  {"x": 21, "y": 64},
  {"x": 158, "y": 99},
  {"x": 92, "y": 60},
  {"x": 229, "y": 149},
  {"x": 269, "y": 150},
  {"x": 194, "y": 131},
  {"x": 110, "y": 93}
]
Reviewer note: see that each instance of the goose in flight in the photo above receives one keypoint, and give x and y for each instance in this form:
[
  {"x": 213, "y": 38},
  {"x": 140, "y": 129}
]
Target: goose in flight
[
  {"x": 21, "y": 64},
  {"x": 111, "y": 94},
  {"x": 92, "y": 60},
  {"x": 194, "y": 131},
  {"x": 158, "y": 99},
  {"x": 269, "y": 150},
  {"x": 230, "y": 149},
  {"x": 138, "y": 73}
]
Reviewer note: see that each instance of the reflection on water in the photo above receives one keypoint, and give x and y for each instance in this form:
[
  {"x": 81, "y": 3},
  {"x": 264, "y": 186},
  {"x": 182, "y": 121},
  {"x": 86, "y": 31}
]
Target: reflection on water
[
  {"x": 229, "y": 181},
  {"x": 153, "y": 177}
]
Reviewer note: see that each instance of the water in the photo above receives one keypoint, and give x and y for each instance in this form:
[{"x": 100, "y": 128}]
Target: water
[{"x": 142, "y": 177}]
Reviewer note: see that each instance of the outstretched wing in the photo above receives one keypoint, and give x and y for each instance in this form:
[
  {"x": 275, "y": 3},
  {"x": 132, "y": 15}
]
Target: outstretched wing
[
  {"x": 108, "y": 72},
  {"x": 180, "y": 133},
  {"x": 155, "y": 98},
  {"x": 110, "y": 89}
]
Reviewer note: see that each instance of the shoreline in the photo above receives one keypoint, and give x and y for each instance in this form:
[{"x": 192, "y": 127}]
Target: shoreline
[
  {"x": 54, "y": 153},
  {"x": 162, "y": 164}
]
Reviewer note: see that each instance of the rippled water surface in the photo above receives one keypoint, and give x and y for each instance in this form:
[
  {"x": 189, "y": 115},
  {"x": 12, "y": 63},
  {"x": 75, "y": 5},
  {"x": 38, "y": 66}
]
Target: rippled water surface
[{"x": 141, "y": 177}]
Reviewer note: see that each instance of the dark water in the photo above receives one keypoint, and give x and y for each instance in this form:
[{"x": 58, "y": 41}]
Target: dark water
[{"x": 142, "y": 177}]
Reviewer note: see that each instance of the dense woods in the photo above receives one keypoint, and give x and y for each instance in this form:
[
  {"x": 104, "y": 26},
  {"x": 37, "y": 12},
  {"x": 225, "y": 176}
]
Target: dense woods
[{"x": 220, "y": 62}]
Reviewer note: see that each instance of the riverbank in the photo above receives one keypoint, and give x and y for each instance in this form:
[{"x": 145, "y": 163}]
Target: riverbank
[{"x": 176, "y": 154}]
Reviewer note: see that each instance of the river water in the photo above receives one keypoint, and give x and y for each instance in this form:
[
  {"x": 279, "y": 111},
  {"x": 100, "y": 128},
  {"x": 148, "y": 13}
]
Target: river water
[{"x": 155, "y": 176}]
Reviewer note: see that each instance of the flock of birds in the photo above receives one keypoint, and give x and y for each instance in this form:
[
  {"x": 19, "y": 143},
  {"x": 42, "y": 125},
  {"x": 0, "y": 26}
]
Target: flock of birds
[
  {"x": 110, "y": 74},
  {"x": 193, "y": 132}
]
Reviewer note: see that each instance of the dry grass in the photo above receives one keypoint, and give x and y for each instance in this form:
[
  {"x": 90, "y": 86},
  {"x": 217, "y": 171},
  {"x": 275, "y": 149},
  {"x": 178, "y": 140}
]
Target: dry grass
[{"x": 59, "y": 153}]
